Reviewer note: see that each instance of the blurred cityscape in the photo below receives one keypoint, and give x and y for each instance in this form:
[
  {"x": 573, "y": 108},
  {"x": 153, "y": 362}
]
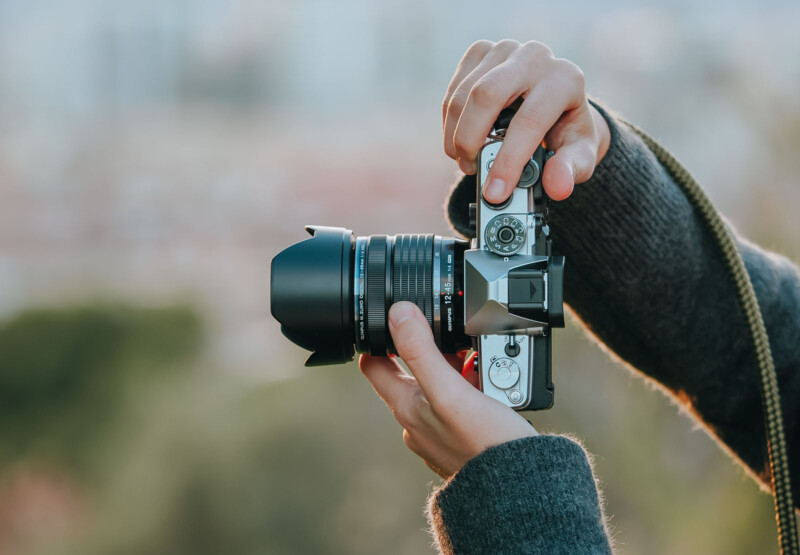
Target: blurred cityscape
[{"x": 154, "y": 156}]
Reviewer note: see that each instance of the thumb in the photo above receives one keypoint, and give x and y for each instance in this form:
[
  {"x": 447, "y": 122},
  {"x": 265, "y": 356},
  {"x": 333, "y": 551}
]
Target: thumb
[
  {"x": 414, "y": 342},
  {"x": 573, "y": 163}
]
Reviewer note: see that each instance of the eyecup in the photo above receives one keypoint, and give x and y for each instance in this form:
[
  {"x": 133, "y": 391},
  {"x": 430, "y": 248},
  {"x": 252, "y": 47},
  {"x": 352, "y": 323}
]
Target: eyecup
[{"x": 311, "y": 294}]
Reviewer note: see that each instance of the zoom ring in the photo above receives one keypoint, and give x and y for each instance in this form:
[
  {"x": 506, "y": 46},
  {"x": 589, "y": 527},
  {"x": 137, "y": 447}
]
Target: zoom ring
[
  {"x": 413, "y": 272},
  {"x": 376, "y": 295}
]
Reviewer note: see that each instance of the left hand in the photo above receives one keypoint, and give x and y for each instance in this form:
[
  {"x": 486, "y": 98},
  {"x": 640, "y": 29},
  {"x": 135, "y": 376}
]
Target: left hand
[{"x": 445, "y": 420}]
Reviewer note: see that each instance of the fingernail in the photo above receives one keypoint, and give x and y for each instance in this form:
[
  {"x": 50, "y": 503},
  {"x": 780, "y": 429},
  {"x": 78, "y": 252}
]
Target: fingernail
[
  {"x": 400, "y": 312},
  {"x": 495, "y": 190},
  {"x": 466, "y": 166}
]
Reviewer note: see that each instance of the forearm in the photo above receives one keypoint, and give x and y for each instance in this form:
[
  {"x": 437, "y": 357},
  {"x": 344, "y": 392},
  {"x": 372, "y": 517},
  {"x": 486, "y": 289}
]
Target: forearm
[
  {"x": 534, "y": 495},
  {"x": 645, "y": 276}
]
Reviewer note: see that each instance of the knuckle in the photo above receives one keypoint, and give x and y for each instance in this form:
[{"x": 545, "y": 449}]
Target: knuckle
[
  {"x": 587, "y": 174},
  {"x": 479, "y": 48},
  {"x": 485, "y": 92},
  {"x": 507, "y": 45},
  {"x": 409, "y": 440},
  {"x": 449, "y": 149},
  {"x": 573, "y": 73},
  {"x": 461, "y": 145},
  {"x": 409, "y": 410},
  {"x": 583, "y": 162},
  {"x": 537, "y": 50}
]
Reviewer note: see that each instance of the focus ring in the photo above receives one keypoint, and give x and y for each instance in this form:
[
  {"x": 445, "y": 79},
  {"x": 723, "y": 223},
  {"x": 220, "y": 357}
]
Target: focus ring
[
  {"x": 376, "y": 295},
  {"x": 413, "y": 272},
  {"x": 426, "y": 251}
]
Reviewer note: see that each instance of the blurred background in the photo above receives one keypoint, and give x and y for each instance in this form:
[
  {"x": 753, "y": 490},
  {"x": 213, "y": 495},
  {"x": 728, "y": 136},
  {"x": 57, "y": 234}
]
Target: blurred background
[{"x": 155, "y": 155}]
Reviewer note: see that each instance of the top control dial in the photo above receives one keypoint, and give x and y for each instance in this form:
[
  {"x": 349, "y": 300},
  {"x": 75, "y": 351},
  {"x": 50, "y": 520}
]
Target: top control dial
[
  {"x": 530, "y": 174},
  {"x": 505, "y": 235}
]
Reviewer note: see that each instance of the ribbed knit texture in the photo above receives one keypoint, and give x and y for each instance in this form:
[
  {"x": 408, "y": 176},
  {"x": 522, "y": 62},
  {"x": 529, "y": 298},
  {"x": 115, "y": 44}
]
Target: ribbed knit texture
[
  {"x": 646, "y": 279},
  {"x": 530, "y": 496}
]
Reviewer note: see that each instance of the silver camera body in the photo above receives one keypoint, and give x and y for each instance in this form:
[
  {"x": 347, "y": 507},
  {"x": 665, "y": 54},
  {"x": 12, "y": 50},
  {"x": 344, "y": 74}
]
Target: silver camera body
[
  {"x": 513, "y": 288},
  {"x": 501, "y": 294}
]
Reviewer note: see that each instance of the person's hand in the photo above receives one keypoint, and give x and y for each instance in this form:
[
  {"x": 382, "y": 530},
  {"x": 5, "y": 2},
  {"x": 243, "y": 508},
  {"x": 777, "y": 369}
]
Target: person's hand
[
  {"x": 445, "y": 420},
  {"x": 555, "y": 109}
]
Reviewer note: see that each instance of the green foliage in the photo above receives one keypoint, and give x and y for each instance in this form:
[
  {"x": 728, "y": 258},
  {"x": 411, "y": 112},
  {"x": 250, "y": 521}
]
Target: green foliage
[
  {"x": 64, "y": 371},
  {"x": 313, "y": 465},
  {"x": 170, "y": 461}
]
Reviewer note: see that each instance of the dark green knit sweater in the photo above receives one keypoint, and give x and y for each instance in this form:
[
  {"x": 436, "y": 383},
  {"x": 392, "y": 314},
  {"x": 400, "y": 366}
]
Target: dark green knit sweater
[{"x": 645, "y": 277}]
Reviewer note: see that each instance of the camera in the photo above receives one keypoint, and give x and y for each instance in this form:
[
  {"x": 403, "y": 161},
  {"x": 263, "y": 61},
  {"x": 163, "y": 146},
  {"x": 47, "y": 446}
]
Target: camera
[{"x": 501, "y": 295}]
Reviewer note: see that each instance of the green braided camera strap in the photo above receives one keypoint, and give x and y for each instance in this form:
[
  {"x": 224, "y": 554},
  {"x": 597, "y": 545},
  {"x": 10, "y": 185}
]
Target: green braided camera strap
[{"x": 770, "y": 396}]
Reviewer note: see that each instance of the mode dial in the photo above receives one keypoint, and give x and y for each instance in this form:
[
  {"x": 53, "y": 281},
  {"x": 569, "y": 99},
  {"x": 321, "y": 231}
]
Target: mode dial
[{"x": 505, "y": 235}]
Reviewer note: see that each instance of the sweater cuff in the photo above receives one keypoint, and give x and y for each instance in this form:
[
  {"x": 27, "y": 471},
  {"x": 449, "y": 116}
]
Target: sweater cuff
[
  {"x": 622, "y": 213},
  {"x": 531, "y": 495}
]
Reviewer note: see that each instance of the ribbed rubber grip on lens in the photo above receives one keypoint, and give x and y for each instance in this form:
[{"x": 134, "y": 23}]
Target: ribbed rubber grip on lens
[
  {"x": 376, "y": 295},
  {"x": 413, "y": 272}
]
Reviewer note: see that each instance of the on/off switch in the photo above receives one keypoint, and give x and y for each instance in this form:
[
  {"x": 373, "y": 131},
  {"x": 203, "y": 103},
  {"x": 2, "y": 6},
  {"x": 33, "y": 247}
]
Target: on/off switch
[{"x": 512, "y": 347}]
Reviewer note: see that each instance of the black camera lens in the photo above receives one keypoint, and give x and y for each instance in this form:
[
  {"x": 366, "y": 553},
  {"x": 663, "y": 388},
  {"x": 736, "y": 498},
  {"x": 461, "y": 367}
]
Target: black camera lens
[{"x": 332, "y": 292}]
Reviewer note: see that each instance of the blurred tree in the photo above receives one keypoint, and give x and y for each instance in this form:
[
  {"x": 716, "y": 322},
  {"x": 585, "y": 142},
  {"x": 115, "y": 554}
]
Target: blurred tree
[
  {"x": 64, "y": 371},
  {"x": 106, "y": 438}
]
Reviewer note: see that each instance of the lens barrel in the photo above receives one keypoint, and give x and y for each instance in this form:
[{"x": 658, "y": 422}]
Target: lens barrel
[{"x": 332, "y": 292}]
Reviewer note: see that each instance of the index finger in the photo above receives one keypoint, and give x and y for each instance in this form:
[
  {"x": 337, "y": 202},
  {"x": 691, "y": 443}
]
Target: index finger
[
  {"x": 541, "y": 109},
  {"x": 387, "y": 379}
]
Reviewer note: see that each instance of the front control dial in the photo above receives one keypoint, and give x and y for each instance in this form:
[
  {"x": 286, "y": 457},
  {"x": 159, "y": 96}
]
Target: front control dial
[{"x": 504, "y": 373}]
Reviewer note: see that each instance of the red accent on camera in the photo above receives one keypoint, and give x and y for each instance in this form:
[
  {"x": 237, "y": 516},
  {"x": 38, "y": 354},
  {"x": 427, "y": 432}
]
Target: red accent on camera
[{"x": 468, "y": 371}]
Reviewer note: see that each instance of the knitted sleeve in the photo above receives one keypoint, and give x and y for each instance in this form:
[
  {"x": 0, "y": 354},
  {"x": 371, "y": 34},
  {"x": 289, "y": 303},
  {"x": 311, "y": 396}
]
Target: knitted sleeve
[
  {"x": 645, "y": 277},
  {"x": 535, "y": 495}
]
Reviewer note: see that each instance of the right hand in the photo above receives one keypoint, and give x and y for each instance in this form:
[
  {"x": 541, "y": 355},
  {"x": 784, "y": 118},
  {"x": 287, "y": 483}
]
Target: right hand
[{"x": 555, "y": 109}]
